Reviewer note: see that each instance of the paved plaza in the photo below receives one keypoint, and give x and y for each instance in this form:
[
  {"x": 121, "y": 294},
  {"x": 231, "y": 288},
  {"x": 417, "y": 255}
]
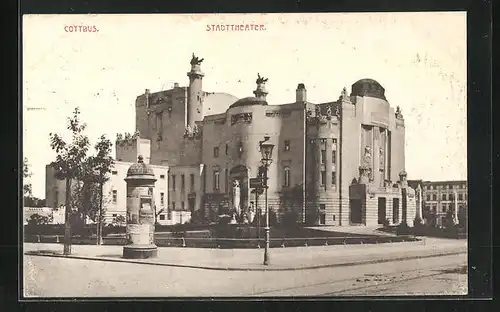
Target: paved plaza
[{"x": 417, "y": 268}]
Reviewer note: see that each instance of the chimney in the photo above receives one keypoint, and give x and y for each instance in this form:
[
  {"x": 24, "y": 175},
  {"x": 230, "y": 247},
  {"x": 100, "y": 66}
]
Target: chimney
[
  {"x": 176, "y": 84},
  {"x": 301, "y": 93},
  {"x": 147, "y": 91}
]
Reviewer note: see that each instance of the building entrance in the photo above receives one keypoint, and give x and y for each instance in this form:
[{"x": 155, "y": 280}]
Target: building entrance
[
  {"x": 381, "y": 210},
  {"x": 355, "y": 207}
]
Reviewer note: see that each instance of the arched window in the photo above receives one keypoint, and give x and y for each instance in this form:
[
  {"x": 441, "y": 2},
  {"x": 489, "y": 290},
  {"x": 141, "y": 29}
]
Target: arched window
[{"x": 286, "y": 177}]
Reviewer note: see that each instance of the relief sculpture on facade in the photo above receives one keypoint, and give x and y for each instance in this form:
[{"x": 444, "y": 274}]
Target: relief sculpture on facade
[{"x": 243, "y": 117}]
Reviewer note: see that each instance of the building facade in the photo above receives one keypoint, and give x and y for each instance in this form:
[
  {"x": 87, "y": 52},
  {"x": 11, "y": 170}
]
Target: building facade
[
  {"x": 443, "y": 197},
  {"x": 345, "y": 157}
]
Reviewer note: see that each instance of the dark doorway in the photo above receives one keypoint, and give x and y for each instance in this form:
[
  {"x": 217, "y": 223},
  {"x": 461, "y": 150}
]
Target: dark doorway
[
  {"x": 381, "y": 210},
  {"x": 395, "y": 210},
  {"x": 322, "y": 219},
  {"x": 355, "y": 215},
  {"x": 191, "y": 202}
]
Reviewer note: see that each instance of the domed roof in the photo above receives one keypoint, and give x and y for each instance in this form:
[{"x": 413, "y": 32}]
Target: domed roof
[
  {"x": 368, "y": 87},
  {"x": 140, "y": 169},
  {"x": 247, "y": 101}
]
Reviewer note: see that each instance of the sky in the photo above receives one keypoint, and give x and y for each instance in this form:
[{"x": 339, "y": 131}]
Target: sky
[{"x": 419, "y": 58}]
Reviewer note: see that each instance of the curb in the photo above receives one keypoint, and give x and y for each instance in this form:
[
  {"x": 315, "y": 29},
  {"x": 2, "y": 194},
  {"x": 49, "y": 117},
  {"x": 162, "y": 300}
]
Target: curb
[{"x": 214, "y": 268}]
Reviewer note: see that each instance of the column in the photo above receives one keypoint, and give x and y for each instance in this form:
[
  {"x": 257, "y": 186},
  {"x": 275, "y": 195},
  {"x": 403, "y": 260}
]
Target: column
[
  {"x": 376, "y": 156},
  {"x": 318, "y": 147},
  {"x": 455, "y": 198},
  {"x": 328, "y": 162}
]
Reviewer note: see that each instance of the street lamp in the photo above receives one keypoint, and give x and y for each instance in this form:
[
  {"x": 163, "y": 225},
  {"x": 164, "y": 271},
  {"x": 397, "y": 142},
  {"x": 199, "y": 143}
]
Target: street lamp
[{"x": 266, "y": 149}]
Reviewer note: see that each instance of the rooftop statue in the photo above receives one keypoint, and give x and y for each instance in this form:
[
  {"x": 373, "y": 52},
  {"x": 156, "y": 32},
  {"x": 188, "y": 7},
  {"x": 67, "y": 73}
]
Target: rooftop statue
[
  {"x": 260, "y": 79},
  {"x": 195, "y": 60}
]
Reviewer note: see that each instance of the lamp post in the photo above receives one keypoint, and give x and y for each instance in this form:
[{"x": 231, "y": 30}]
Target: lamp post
[{"x": 266, "y": 149}]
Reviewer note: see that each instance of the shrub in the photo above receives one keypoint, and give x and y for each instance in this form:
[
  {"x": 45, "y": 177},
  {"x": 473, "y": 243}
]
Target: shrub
[
  {"x": 36, "y": 219},
  {"x": 386, "y": 223},
  {"x": 289, "y": 220},
  {"x": 403, "y": 229}
]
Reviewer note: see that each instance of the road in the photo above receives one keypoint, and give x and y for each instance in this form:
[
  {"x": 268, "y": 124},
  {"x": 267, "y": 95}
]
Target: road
[{"x": 60, "y": 277}]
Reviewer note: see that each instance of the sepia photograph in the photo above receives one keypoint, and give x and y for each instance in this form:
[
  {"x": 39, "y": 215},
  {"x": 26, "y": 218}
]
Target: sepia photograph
[{"x": 244, "y": 155}]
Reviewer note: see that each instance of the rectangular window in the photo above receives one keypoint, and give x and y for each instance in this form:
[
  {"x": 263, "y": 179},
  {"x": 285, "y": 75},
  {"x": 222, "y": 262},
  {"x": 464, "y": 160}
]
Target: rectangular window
[
  {"x": 428, "y": 197},
  {"x": 334, "y": 178},
  {"x": 115, "y": 196},
  {"x": 227, "y": 149},
  {"x": 443, "y": 208},
  {"x": 173, "y": 182},
  {"x": 286, "y": 176},
  {"x": 323, "y": 177},
  {"x": 333, "y": 217},
  {"x": 334, "y": 157},
  {"x": 323, "y": 156},
  {"x": 191, "y": 181},
  {"x": 114, "y": 172},
  {"x": 460, "y": 197},
  {"x": 216, "y": 151},
  {"x": 443, "y": 197},
  {"x": 182, "y": 205},
  {"x": 287, "y": 145},
  {"x": 216, "y": 180},
  {"x": 162, "y": 217},
  {"x": 162, "y": 199},
  {"x": 434, "y": 197},
  {"x": 183, "y": 183},
  {"x": 162, "y": 176}
]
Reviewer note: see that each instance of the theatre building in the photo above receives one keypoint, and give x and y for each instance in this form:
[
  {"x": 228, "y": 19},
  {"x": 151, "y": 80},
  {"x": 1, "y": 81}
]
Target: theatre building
[{"x": 345, "y": 156}]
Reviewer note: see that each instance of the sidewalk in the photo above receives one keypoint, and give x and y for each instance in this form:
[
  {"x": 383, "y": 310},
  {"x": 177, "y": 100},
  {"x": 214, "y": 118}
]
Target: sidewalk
[{"x": 290, "y": 258}]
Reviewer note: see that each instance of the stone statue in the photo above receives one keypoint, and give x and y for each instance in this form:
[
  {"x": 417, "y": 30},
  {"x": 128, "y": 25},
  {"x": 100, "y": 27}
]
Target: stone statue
[
  {"x": 381, "y": 158},
  {"x": 260, "y": 79},
  {"x": 337, "y": 110},
  {"x": 318, "y": 111},
  {"x": 368, "y": 155},
  {"x": 195, "y": 60},
  {"x": 236, "y": 197},
  {"x": 398, "y": 112},
  {"x": 329, "y": 111},
  {"x": 344, "y": 96},
  {"x": 188, "y": 131}
]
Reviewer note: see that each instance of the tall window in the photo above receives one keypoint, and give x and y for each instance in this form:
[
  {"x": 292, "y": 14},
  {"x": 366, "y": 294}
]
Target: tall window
[
  {"x": 460, "y": 196},
  {"x": 216, "y": 151},
  {"x": 226, "y": 180},
  {"x": 428, "y": 197},
  {"x": 323, "y": 177},
  {"x": 173, "y": 206},
  {"x": 323, "y": 156},
  {"x": 227, "y": 149},
  {"x": 159, "y": 117},
  {"x": 173, "y": 182},
  {"x": 162, "y": 199},
  {"x": 443, "y": 197},
  {"x": 182, "y": 206},
  {"x": 56, "y": 199},
  {"x": 286, "y": 177},
  {"x": 183, "y": 183},
  {"x": 287, "y": 145},
  {"x": 191, "y": 181},
  {"x": 115, "y": 196},
  {"x": 334, "y": 157},
  {"x": 434, "y": 197},
  {"x": 216, "y": 180},
  {"x": 334, "y": 178}
]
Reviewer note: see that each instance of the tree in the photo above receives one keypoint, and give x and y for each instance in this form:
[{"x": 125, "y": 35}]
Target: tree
[
  {"x": 119, "y": 220},
  {"x": 102, "y": 163},
  {"x": 27, "y": 188},
  {"x": 68, "y": 164}
]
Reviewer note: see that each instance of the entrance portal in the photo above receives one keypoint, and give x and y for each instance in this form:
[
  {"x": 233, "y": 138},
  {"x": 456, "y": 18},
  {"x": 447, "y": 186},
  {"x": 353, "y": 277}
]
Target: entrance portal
[
  {"x": 381, "y": 210},
  {"x": 355, "y": 207}
]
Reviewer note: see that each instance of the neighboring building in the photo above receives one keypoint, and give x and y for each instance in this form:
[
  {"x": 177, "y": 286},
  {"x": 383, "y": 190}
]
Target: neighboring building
[
  {"x": 439, "y": 197},
  {"x": 115, "y": 198},
  {"x": 347, "y": 156}
]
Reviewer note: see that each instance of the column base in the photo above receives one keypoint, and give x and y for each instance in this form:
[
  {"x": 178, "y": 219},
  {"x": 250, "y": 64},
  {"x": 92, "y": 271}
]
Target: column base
[{"x": 140, "y": 251}]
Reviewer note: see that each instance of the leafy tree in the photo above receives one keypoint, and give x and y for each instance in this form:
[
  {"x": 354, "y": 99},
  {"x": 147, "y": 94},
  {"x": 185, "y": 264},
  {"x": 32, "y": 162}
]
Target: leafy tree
[
  {"x": 68, "y": 164},
  {"x": 27, "y": 188}
]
